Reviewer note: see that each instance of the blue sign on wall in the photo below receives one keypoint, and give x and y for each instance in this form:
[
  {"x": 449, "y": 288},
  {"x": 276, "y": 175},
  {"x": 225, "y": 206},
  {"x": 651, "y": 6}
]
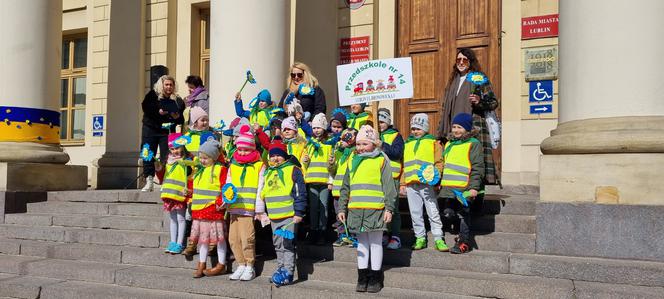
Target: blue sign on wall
[
  {"x": 540, "y": 91},
  {"x": 541, "y": 109},
  {"x": 97, "y": 122}
]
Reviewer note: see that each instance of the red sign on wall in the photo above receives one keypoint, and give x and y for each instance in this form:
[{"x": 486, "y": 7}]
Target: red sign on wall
[
  {"x": 539, "y": 27},
  {"x": 354, "y": 49}
]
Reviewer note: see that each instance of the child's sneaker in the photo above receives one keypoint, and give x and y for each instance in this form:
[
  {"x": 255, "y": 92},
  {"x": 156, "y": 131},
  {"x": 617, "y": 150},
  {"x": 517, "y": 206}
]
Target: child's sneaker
[
  {"x": 394, "y": 244},
  {"x": 169, "y": 248},
  {"x": 238, "y": 272},
  {"x": 177, "y": 249},
  {"x": 281, "y": 277},
  {"x": 441, "y": 246},
  {"x": 248, "y": 273},
  {"x": 460, "y": 247},
  {"x": 339, "y": 242},
  {"x": 420, "y": 243}
]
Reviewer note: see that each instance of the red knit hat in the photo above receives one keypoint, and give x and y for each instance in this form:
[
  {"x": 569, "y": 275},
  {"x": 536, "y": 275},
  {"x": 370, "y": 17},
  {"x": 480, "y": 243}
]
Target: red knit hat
[{"x": 277, "y": 147}]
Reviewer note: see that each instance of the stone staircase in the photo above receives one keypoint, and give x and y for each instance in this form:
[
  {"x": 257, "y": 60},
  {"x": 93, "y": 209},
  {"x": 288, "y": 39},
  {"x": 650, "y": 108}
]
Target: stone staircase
[{"x": 108, "y": 244}]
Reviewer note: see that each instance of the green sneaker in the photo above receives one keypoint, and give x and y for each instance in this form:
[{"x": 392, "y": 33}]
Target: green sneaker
[
  {"x": 441, "y": 246},
  {"x": 420, "y": 243}
]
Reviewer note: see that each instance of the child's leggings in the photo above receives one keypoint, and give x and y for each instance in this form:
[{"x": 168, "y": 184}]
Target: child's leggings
[
  {"x": 178, "y": 225},
  {"x": 203, "y": 252},
  {"x": 370, "y": 246}
]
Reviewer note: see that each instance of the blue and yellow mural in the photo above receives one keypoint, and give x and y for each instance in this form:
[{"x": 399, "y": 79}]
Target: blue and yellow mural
[{"x": 29, "y": 125}]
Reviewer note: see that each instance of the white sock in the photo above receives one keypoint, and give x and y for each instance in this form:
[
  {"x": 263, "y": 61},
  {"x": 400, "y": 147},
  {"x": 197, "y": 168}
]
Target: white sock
[
  {"x": 203, "y": 252},
  {"x": 376, "y": 241},
  {"x": 221, "y": 252}
]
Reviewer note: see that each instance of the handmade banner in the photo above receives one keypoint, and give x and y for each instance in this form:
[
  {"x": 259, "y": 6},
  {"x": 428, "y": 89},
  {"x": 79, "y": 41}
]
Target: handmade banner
[{"x": 375, "y": 80}]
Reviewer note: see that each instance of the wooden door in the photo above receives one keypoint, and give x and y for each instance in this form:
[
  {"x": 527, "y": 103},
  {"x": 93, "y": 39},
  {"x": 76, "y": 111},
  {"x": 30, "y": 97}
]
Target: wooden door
[{"x": 431, "y": 31}]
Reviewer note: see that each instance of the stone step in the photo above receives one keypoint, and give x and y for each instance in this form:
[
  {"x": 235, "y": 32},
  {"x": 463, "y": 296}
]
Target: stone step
[
  {"x": 64, "y": 269},
  {"x": 25, "y": 287},
  {"x": 88, "y": 290},
  {"x": 496, "y": 241},
  {"x": 106, "y": 196},
  {"x": 84, "y": 235},
  {"x": 93, "y": 208},
  {"x": 506, "y": 223},
  {"x": 496, "y": 204},
  {"x": 139, "y": 223}
]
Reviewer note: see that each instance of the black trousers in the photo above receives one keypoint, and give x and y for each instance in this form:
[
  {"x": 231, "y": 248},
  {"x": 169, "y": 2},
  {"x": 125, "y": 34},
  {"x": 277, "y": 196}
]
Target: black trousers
[
  {"x": 464, "y": 217},
  {"x": 154, "y": 138}
]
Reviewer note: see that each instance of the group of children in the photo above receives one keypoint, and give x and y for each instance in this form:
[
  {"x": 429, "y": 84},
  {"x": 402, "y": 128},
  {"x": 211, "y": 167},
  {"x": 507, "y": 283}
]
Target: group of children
[{"x": 278, "y": 166}]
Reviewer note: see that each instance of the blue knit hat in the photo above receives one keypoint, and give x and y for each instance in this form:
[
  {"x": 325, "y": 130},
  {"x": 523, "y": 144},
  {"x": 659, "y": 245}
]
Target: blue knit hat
[
  {"x": 264, "y": 96},
  {"x": 465, "y": 120}
]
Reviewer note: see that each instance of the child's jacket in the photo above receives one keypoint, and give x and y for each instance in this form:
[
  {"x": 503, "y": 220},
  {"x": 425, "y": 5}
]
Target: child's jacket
[{"x": 463, "y": 166}]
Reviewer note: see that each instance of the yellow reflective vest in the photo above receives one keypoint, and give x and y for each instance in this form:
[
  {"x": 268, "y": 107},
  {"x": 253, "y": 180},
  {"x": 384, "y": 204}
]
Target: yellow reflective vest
[
  {"x": 413, "y": 161},
  {"x": 277, "y": 193},
  {"x": 356, "y": 121},
  {"x": 175, "y": 182},
  {"x": 456, "y": 170},
  {"x": 207, "y": 187},
  {"x": 316, "y": 171},
  {"x": 296, "y": 148},
  {"x": 342, "y": 167},
  {"x": 195, "y": 143},
  {"x": 247, "y": 188},
  {"x": 366, "y": 189},
  {"x": 388, "y": 138},
  {"x": 260, "y": 116}
]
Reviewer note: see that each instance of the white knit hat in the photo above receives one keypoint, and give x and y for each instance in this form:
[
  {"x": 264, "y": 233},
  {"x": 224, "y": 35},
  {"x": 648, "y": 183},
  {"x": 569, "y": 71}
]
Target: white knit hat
[
  {"x": 319, "y": 121},
  {"x": 420, "y": 121}
]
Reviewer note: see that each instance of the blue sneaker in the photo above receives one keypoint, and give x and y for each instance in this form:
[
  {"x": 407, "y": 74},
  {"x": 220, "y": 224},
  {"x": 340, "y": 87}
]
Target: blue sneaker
[
  {"x": 171, "y": 246},
  {"x": 277, "y": 277},
  {"x": 177, "y": 249}
]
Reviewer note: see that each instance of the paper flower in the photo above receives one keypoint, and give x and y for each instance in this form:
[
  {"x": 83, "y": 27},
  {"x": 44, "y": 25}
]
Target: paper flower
[
  {"x": 253, "y": 103},
  {"x": 428, "y": 174},
  {"x": 477, "y": 78},
  {"x": 289, "y": 98},
  {"x": 305, "y": 89},
  {"x": 286, "y": 234},
  {"x": 146, "y": 153},
  {"x": 229, "y": 193},
  {"x": 462, "y": 197},
  {"x": 182, "y": 141},
  {"x": 219, "y": 126},
  {"x": 250, "y": 79}
]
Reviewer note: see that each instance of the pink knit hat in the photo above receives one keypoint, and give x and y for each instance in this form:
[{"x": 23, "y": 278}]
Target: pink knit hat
[
  {"x": 245, "y": 140},
  {"x": 172, "y": 137},
  {"x": 195, "y": 114},
  {"x": 289, "y": 123},
  {"x": 367, "y": 133}
]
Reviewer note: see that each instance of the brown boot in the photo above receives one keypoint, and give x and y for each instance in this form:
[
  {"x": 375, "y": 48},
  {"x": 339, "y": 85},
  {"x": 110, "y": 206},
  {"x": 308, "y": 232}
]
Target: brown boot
[
  {"x": 200, "y": 271},
  {"x": 190, "y": 250},
  {"x": 217, "y": 270}
]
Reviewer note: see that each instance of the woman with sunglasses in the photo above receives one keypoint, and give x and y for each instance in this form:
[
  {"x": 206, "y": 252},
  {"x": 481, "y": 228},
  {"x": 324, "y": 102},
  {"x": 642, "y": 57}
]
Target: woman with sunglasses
[
  {"x": 459, "y": 99},
  {"x": 313, "y": 100}
]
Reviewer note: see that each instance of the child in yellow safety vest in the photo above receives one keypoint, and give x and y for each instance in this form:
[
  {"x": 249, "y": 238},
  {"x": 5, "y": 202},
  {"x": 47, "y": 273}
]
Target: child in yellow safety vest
[
  {"x": 392, "y": 145},
  {"x": 358, "y": 117},
  {"x": 317, "y": 176},
  {"x": 295, "y": 143},
  {"x": 174, "y": 191},
  {"x": 285, "y": 196},
  {"x": 422, "y": 149},
  {"x": 463, "y": 172},
  {"x": 366, "y": 205},
  {"x": 246, "y": 174},
  {"x": 207, "y": 209},
  {"x": 260, "y": 113},
  {"x": 343, "y": 154},
  {"x": 199, "y": 131}
]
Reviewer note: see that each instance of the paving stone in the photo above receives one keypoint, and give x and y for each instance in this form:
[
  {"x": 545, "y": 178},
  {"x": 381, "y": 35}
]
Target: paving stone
[
  {"x": 592, "y": 290},
  {"x": 24, "y": 286},
  {"x": 589, "y": 269},
  {"x": 68, "y": 208},
  {"x": 47, "y": 233},
  {"x": 14, "y": 264},
  {"x": 113, "y": 237},
  {"x": 74, "y": 270},
  {"x": 88, "y": 290},
  {"x": 29, "y": 219},
  {"x": 110, "y": 222}
]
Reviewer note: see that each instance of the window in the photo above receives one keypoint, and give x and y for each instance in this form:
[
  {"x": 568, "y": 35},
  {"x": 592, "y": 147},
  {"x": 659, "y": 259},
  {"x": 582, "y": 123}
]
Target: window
[
  {"x": 73, "y": 78},
  {"x": 205, "y": 46}
]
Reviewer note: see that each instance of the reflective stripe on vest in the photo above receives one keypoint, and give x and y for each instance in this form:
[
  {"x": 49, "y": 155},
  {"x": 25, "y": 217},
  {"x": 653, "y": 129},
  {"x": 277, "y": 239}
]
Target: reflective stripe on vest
[
  {"x": 366, "y": 189},
  {"x": 246, "y": 193},
  {"x": 356, "y": 122},
  {"x": 456, "y": 172},
  {"x": 412, "y": 161},
  {"x": 175, "y": 182},
  {"x": 277, "y": 194},
  {"x": 316, "y": 171},
  {"x": 396, "y": 165},
  {"x": 206, "y": 188},
  {"x": 341, "y": 172}
]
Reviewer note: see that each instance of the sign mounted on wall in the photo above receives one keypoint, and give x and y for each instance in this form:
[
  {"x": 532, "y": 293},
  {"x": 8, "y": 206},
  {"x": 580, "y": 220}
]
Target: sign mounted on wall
[
  {"x": 97, "y": 125},
  {"x": 539, "y": 27},
  {"x": 540, "y": 91},
  {"x": 353, "y": 49},
  {"x": 541, "y": 63},
  {"x": 375, "y": 80}
]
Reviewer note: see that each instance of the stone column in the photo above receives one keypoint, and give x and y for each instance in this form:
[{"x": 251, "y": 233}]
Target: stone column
[
  {"x": 247, "y": 35},
  {"x": 601, "y": 173},
  {"x": 31, "y": 158},
  {"x": 119, "y": 166}
]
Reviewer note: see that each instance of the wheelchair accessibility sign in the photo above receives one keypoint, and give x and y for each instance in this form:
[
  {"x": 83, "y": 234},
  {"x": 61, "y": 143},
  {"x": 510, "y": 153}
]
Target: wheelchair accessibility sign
[
  {"x": 97, "y": 125},
  {"x": 540, "y": 91}
]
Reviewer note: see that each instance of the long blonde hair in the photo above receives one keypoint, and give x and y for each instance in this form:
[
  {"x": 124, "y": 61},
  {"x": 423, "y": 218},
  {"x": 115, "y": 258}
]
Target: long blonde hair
[
  {"x": 159, "y": 86},
  {"x": 308, "y": 76}
]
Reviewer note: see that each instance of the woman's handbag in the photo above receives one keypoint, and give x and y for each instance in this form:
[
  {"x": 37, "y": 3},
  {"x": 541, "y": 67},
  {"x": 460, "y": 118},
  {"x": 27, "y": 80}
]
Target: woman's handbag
[{"x": 493, "y": 126}]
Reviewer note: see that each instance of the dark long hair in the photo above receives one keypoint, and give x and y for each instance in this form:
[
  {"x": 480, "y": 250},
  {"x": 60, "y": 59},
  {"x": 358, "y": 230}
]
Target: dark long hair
[{"x": 473, "y": 64}]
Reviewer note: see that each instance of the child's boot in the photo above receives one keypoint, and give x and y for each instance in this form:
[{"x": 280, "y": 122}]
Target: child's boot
[
  {"x": 190, "y": 250},
  {"x": 217, "y": 270},
  {"x": 149, "y": 184},
  {"x": 199, "y": 270},
  {"x": 362, "y": 280},
  {"x": 375, "y": 283}
]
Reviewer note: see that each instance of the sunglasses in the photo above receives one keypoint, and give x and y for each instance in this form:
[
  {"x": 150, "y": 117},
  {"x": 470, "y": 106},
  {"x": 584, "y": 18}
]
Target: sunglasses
[
  {"x": 299, "y": 75},
  {"x": 461, "y": 60}
]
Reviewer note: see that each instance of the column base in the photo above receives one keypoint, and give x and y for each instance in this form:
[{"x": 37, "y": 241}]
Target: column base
[
  {"x": 119, "y": 171},
  {"x": 16, "y": 176}
]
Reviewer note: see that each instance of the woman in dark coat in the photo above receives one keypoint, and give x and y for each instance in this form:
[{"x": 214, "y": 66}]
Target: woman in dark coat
[{"x": 313, "y": 101}]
